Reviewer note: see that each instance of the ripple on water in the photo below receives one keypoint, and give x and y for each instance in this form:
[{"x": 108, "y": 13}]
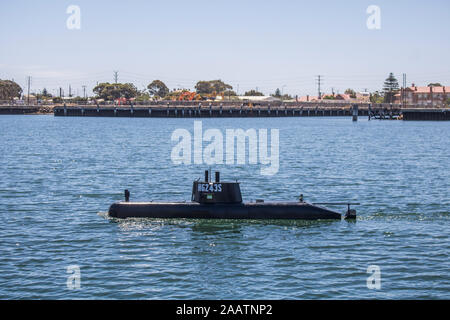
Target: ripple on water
[{"x": 58, "y": 187}]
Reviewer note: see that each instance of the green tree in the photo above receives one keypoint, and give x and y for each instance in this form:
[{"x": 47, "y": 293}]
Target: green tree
[
  {"x": 390, "y": 88},
  {"x": 143, "y": 96},
  {"x": 230, "y": 93},
  {"x": 9, "y": 90},
  {"x": 111, "y": 91},
  {"x": 46, "y": 94},
  {"x": 436, "y": 84},
  {"x": 376, "y": 97},
  {"x": 286, "y": 97},
  {"x": 158, "y": 88},
  {"x": 277, "y": 93},
  {"x": 351, "y": 92},
  {"x": 212, "y": 86},
  {"x": 253, "y": 93}
]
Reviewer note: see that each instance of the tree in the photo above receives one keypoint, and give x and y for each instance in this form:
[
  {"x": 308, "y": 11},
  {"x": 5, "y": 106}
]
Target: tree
[
  {"x": 111, "y": 91},
  {"x": 376, "y": 97},
  {"x": 212, "y": 86},
  {"x": 390, "y": 88},
  {"x": 351, "y": 92},
  {"x": 253, "y": 93},
  {"x": 9, "y": 90},
  {"x": 277, "y": 93},
  {"x": 143, "y": 96},
  {"x": 230, "y": 93},
  {"x": 158, "y": 88},
  {"x": 46, "y": 94},
  {"x": 436, "y": 84}
]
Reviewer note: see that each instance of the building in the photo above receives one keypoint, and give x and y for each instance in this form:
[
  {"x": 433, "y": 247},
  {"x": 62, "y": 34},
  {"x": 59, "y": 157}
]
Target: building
[
  {"x": 363, "y": 96},
  {"x": 31, "y": 99},
  {"x": 431, "y": 96},
  {"x": 258, "y": 98},
  {"x": 343, "y": 96}
]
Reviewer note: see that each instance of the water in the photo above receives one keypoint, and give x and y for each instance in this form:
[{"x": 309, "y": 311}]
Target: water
[{"x": 59, "y": 176}]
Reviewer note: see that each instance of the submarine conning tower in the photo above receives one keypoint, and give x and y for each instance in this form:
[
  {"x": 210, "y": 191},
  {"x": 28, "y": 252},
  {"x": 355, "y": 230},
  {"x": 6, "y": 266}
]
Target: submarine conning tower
[{"x": 207, "y": 192}]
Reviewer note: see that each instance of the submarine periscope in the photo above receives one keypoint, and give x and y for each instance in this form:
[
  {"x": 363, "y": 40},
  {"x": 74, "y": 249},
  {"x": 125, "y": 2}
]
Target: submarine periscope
[{"x": 223, "y": 200}]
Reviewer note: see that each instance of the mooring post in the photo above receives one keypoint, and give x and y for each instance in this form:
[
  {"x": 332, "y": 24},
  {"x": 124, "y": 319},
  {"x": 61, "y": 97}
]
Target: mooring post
[
  {"x": 355, "y": 112},
  {"x": 369, "y": 110},
  {"x": 268, "y": 108},
  {"x": 127, "y": 195},
  {"x": 221, "y": 106},
  {"x": 65, "y": 110},
  {"x": 98, "y": 107},
  {"x": 210, "y": 109}
]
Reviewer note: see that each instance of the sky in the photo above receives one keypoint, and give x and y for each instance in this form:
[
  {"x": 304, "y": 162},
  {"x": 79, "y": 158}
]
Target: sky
[{"x": 261, "y": 45}]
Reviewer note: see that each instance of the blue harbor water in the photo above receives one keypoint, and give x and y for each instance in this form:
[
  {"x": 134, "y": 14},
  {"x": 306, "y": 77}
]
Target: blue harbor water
[{"x": 60, "y": 174}]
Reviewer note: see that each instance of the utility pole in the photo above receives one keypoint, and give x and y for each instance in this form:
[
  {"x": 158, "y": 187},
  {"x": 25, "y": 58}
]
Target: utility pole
[
  {"x": 70, "y": 91},
  {"x": 403, "y": 91},
  {"x": 319, "y": 82},
  {"x": 28, "y": 97},
  {"x": 84, "y": 92},
  {"x": 116, "y": 76}
]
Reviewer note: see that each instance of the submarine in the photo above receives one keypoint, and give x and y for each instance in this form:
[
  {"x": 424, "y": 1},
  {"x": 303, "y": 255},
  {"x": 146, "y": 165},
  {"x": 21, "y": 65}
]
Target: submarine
[{"x": 223, "y": 200}]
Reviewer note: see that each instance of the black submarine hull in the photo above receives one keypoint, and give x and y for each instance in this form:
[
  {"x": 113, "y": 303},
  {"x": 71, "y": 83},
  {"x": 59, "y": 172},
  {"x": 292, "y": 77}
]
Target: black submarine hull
[{"x": 194, "y": 210}]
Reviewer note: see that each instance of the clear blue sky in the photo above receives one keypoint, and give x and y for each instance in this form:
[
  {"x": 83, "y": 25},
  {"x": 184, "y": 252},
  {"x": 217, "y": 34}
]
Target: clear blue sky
[{"x": 264, "y": 44}]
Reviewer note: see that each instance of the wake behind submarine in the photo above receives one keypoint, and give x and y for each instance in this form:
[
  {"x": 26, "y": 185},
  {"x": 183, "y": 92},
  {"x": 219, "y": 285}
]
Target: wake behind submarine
[{"x": 223, "y": 200}]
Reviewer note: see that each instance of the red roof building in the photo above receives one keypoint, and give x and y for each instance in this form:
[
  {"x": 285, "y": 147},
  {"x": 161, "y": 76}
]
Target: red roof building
[{"x": 426, "y": 96}]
